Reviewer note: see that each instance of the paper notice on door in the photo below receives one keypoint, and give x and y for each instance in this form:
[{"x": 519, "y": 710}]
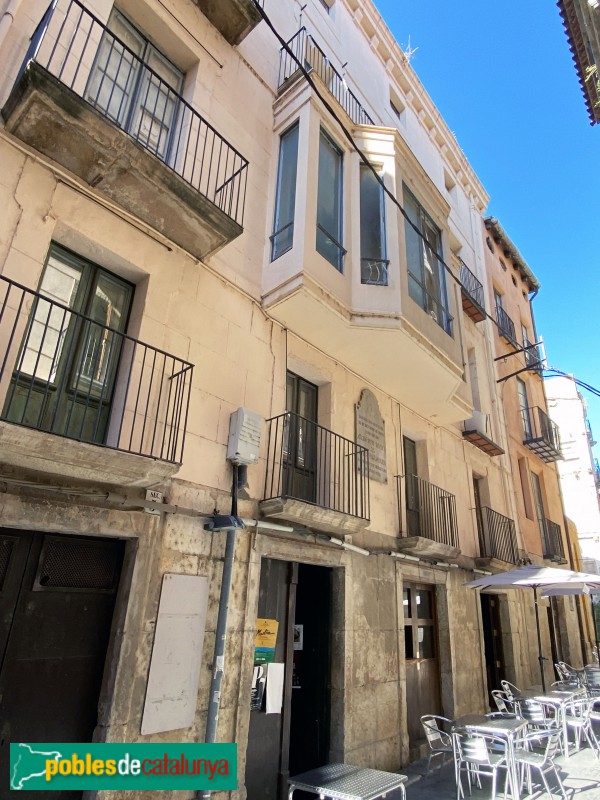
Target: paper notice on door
[{"x": 274, "y": 702}]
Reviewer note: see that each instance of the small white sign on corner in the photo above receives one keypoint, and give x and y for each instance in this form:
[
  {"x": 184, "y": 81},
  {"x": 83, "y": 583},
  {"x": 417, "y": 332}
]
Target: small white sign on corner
[{"x": 154, "y": 497}]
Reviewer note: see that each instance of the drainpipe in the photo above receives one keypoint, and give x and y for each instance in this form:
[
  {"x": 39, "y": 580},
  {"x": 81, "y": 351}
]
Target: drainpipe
[
  {"x": 221, "y": 632},
  {"x": 8, "y": 18}
]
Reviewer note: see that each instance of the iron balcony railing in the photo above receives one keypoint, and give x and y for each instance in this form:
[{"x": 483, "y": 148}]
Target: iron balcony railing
[
  {"x": 79, "y": 50},
  {"x": 306, "y": 51},
  {"x": 497, "y": 536},
  {"x": 552, "y": 542},
  {"x": 68, "y": 374},
  {"x": 374, "y": 271},
  {"x": 471, "y": 285},
  {"x": 533, "y": 355},
  {"x": 308, "y": 462},
  {"x": 430, "y": 511},
  {"x": 506, "y": 327},
  {"x": 597, "y": 472},
  {"x": 541, "y": 434}
]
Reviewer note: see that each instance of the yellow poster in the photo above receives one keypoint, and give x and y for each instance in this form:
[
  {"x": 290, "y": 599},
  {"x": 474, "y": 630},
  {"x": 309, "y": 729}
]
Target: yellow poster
[{"x": 266, "y": 633}]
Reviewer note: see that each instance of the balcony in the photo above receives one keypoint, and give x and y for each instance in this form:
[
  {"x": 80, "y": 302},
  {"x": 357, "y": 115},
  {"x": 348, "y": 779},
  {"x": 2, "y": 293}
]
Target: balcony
[
  {"x": 472, "y": 294},
  {"x": 315, "y": 478},
  {"x": 432, "y": 529},
  {"x": 476, "y": 432},
  {"x": 234, "y": 19},
  {"x": 309, "y": 54},
  {"x": 497, "y": 540},
  {"x": 82, "y": 400},
  {"x": 540, "y": 434},
  {"x": 506, "y": 327},
  {"x": 552, "y": 541},
  {"x": 533, "y": 355},
  {"x": 164, "y": 163}
]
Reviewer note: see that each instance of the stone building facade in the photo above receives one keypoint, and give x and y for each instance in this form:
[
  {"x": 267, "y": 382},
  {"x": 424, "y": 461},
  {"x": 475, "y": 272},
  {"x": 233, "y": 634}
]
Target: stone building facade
[{"x": 189, "y": 230}]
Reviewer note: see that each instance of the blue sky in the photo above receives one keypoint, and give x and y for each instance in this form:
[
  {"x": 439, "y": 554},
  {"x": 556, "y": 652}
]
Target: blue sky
[{"x": 503, "y": 78}]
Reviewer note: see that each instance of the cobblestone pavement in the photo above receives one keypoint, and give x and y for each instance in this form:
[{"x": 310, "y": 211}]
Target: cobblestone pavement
[{"x": 580, "y": 776}]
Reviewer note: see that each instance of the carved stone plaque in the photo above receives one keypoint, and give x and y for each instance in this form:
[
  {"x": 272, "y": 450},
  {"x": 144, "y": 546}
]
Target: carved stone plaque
[{"x": 370, "y": 433}]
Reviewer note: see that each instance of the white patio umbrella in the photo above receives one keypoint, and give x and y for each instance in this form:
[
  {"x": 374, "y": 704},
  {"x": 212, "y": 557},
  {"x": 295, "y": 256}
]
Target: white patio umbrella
[{"x": 536, "y": 578}]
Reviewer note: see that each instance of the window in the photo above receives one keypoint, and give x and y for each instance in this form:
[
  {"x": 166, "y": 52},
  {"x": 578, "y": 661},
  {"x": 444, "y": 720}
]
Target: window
[
  {"x": 539, "y": 510},
  {"x": 329, "y": 203},
  {"x": 283, "y": 225},
  {"x": 413, "y": 523},
  {"x": 65, "y": 373},
  {"x": 426, "y": 279},
  {"x": 135, "y": 85},
  {"x": 373, "y": 262},
  {"x": 300, "y": 439},
  {"x": 524, "y": 408}
]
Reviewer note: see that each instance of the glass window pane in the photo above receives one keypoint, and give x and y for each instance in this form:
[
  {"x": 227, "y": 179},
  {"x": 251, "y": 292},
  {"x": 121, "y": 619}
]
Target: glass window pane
[
  {"x": 424, "y": 604},
  {"x": 406, "y": 603},
  {"x": 329, "y": 203},
  {"x": 425, "y": 641},
  {"x": 100, "y": 347},
  {"x": 46, "y": 336},
  {"x": 283, "y": 225},
  {"x": 409, "y": 651},
  {"x": 372, "y": 229}
]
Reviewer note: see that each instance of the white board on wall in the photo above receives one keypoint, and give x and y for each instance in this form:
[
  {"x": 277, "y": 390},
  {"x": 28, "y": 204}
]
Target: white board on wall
[{"x": 172, "y": 693}]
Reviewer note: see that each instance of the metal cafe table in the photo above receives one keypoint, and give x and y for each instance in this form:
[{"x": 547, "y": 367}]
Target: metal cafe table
[
  {"x": 507, "y": 727},
  {"x": 345, "y": 782},
  {"x": 559, "y": 698}
]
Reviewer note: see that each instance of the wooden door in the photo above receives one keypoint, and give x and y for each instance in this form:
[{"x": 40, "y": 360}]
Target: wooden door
[{"x": 421, "y": 657}]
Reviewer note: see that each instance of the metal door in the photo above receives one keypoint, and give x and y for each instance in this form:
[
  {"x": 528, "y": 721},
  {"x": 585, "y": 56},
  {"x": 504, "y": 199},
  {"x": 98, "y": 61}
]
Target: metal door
[
  {"x": 57, "y": 595},
  {"x": 421, "y": 658}
]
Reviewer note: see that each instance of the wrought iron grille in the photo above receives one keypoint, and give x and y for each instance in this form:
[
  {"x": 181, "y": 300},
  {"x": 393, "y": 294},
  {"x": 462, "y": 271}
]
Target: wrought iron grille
[
  {"x": 506, "y": 327},
  {"x": 374, "y": 271},
  {"x": 497, "y": 536},
  {"x": 541, "y": 434},
  {"x": 552, "y": 542},
  {"x": 431, "y": 305},
  {"x": 308, "y": 462},
  {"x": 430, "y": 511},
  {"x": 533, "y": 355},
  {"x": 70, "y": 42},
  {"x": 471, "y": 284},
  {"x": 67, "y": 374},
  {"x": 306, "y": 51}
]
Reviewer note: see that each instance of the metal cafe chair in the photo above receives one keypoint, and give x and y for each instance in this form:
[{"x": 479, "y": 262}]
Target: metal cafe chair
[
  {"x": 440, "y": 742},
  {"x": 592, "y": 681},
  {"x": 527, "y": 758},
  {"x": 540, "y": 716},
  {"x": 503, "y": 702},
  {"x": 578, "y": 718},
  {"x": 510, "y": 689},
  {"x": 480, "y": 754}
]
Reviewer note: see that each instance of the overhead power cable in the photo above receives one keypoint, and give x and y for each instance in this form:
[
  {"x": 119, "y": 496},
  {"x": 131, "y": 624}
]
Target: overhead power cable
[{"x": 583, "y": 384}]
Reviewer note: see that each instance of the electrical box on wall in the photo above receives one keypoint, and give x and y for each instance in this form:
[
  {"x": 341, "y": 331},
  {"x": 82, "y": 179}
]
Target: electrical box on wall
[{"x": 244, "y": 437}]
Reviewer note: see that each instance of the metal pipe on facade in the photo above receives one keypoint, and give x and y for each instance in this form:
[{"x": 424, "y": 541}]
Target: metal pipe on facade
[
  {"x": 8, "y": 17},
  {"x": 214, "y": 701}
]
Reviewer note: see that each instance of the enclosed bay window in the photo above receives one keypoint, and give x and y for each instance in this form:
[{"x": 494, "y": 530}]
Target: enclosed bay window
[
  {"x": 282, "y": 239},
  {"x": 373, "y": 261},
  {"x": 136, "y": 86},
  {"x": 426, "y": 278},
  {"x": 330, "y": 202}
]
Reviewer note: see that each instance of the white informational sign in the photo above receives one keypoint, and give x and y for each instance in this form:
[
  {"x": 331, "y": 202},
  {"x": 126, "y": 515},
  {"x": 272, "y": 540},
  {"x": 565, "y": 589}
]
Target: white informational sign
[{"x": 275, "y": 675}]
